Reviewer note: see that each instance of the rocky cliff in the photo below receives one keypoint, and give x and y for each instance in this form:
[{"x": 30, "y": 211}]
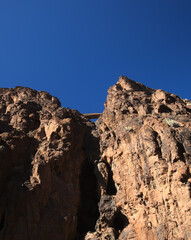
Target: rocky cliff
[
  {"x": 126, "y": 176},
  {"x": 44, "y": 153}
]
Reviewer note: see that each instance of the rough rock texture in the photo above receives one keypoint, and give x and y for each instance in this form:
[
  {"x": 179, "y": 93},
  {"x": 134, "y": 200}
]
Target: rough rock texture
[
  {"x": 128, "y": 176},
  {"x": 145, "y": 166},
  {"x": 43, "y": 151}
]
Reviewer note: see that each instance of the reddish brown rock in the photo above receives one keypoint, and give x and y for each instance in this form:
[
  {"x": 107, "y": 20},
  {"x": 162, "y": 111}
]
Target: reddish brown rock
[
  {"x": 145, "y": 165},
  {"x": 43, "y": 150},
  {"x": 130, "y": 178}
]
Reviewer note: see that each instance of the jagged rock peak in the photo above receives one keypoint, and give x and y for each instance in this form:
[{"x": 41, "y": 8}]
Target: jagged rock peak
[
  {"x": 145, "y": 165},
  {"x": 135, "y": 98},
  {"x": 130, "y": 85}
]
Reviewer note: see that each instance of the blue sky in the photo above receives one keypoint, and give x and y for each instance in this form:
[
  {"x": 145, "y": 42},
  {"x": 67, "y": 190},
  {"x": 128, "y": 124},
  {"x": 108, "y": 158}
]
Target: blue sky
[{"x": 77, "y": 49}]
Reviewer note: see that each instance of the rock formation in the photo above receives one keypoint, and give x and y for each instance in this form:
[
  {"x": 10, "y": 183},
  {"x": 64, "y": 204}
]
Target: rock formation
[
  {"x": 146, "y": 151},
  {"x": 43, "y": 151},
  {"x": 126, "y": 176}
]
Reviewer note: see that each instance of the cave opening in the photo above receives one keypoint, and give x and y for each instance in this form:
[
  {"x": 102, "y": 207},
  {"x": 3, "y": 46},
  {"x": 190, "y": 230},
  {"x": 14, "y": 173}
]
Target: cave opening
[{"x": 88, "y": 212}]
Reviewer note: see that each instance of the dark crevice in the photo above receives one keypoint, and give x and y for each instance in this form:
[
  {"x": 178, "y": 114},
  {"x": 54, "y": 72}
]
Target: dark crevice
[
  {"x": 125, "y": 111},
  {"x": 111, "y": 189},
  {"x": 2, "y": 222},
  {"x": 114, "y": 136},
  {"x": 88, "y": 209},
  {"x": 5, "y": 127},
  {"x": 164, "y": 109},
  {"x": 170, "y": 99},
  {"x": 181, "y": 151},
  {"x": 185, "y": 178},
  {"x": 120, "y": 221},
  {"x": 188, "y": 109},
  {"x": 149, "y": 109},
  {"x": 158, "y": 144}
]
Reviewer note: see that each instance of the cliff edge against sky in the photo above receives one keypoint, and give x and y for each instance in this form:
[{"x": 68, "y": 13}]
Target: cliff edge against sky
[{"x": 126, "y": 176}]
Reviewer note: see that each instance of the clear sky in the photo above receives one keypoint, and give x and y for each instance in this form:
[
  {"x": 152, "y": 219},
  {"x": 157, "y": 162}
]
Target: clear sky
[{"x": 77, "y": 49}]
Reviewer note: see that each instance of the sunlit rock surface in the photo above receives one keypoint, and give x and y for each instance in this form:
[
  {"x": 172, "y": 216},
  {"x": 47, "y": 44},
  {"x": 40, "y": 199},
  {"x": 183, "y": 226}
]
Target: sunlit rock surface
[{"x": 146, "y": 154}]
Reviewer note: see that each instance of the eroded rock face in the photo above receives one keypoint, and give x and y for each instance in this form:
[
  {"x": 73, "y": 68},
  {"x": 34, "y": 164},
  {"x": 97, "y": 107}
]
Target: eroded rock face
[
  {"x": 145, "y": 166},
  {"x": 128, "y": 176},
  {"x": 43, "y": 149}
]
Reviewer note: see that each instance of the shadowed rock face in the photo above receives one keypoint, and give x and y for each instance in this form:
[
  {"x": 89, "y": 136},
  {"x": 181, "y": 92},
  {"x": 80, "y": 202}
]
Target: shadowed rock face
[
  {"x": 42, "y": 150},
  {"x": 125, "y": 177}
]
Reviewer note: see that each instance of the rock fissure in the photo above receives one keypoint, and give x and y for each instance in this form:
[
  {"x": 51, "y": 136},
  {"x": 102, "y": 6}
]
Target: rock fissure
[
  {"x": 111, "y": 189},
  {"x": 88, "y": 209}
]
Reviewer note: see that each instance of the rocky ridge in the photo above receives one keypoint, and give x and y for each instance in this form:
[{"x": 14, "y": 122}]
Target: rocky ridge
[{"x": 126, "y": 176}]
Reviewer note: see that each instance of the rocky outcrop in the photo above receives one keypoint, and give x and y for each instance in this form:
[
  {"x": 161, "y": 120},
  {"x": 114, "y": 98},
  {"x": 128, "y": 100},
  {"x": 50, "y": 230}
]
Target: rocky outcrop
[
  {"x": 44, "y": 150},
  {"x": 126, "y": 176},
  {"x": 145, "y": 165}
]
